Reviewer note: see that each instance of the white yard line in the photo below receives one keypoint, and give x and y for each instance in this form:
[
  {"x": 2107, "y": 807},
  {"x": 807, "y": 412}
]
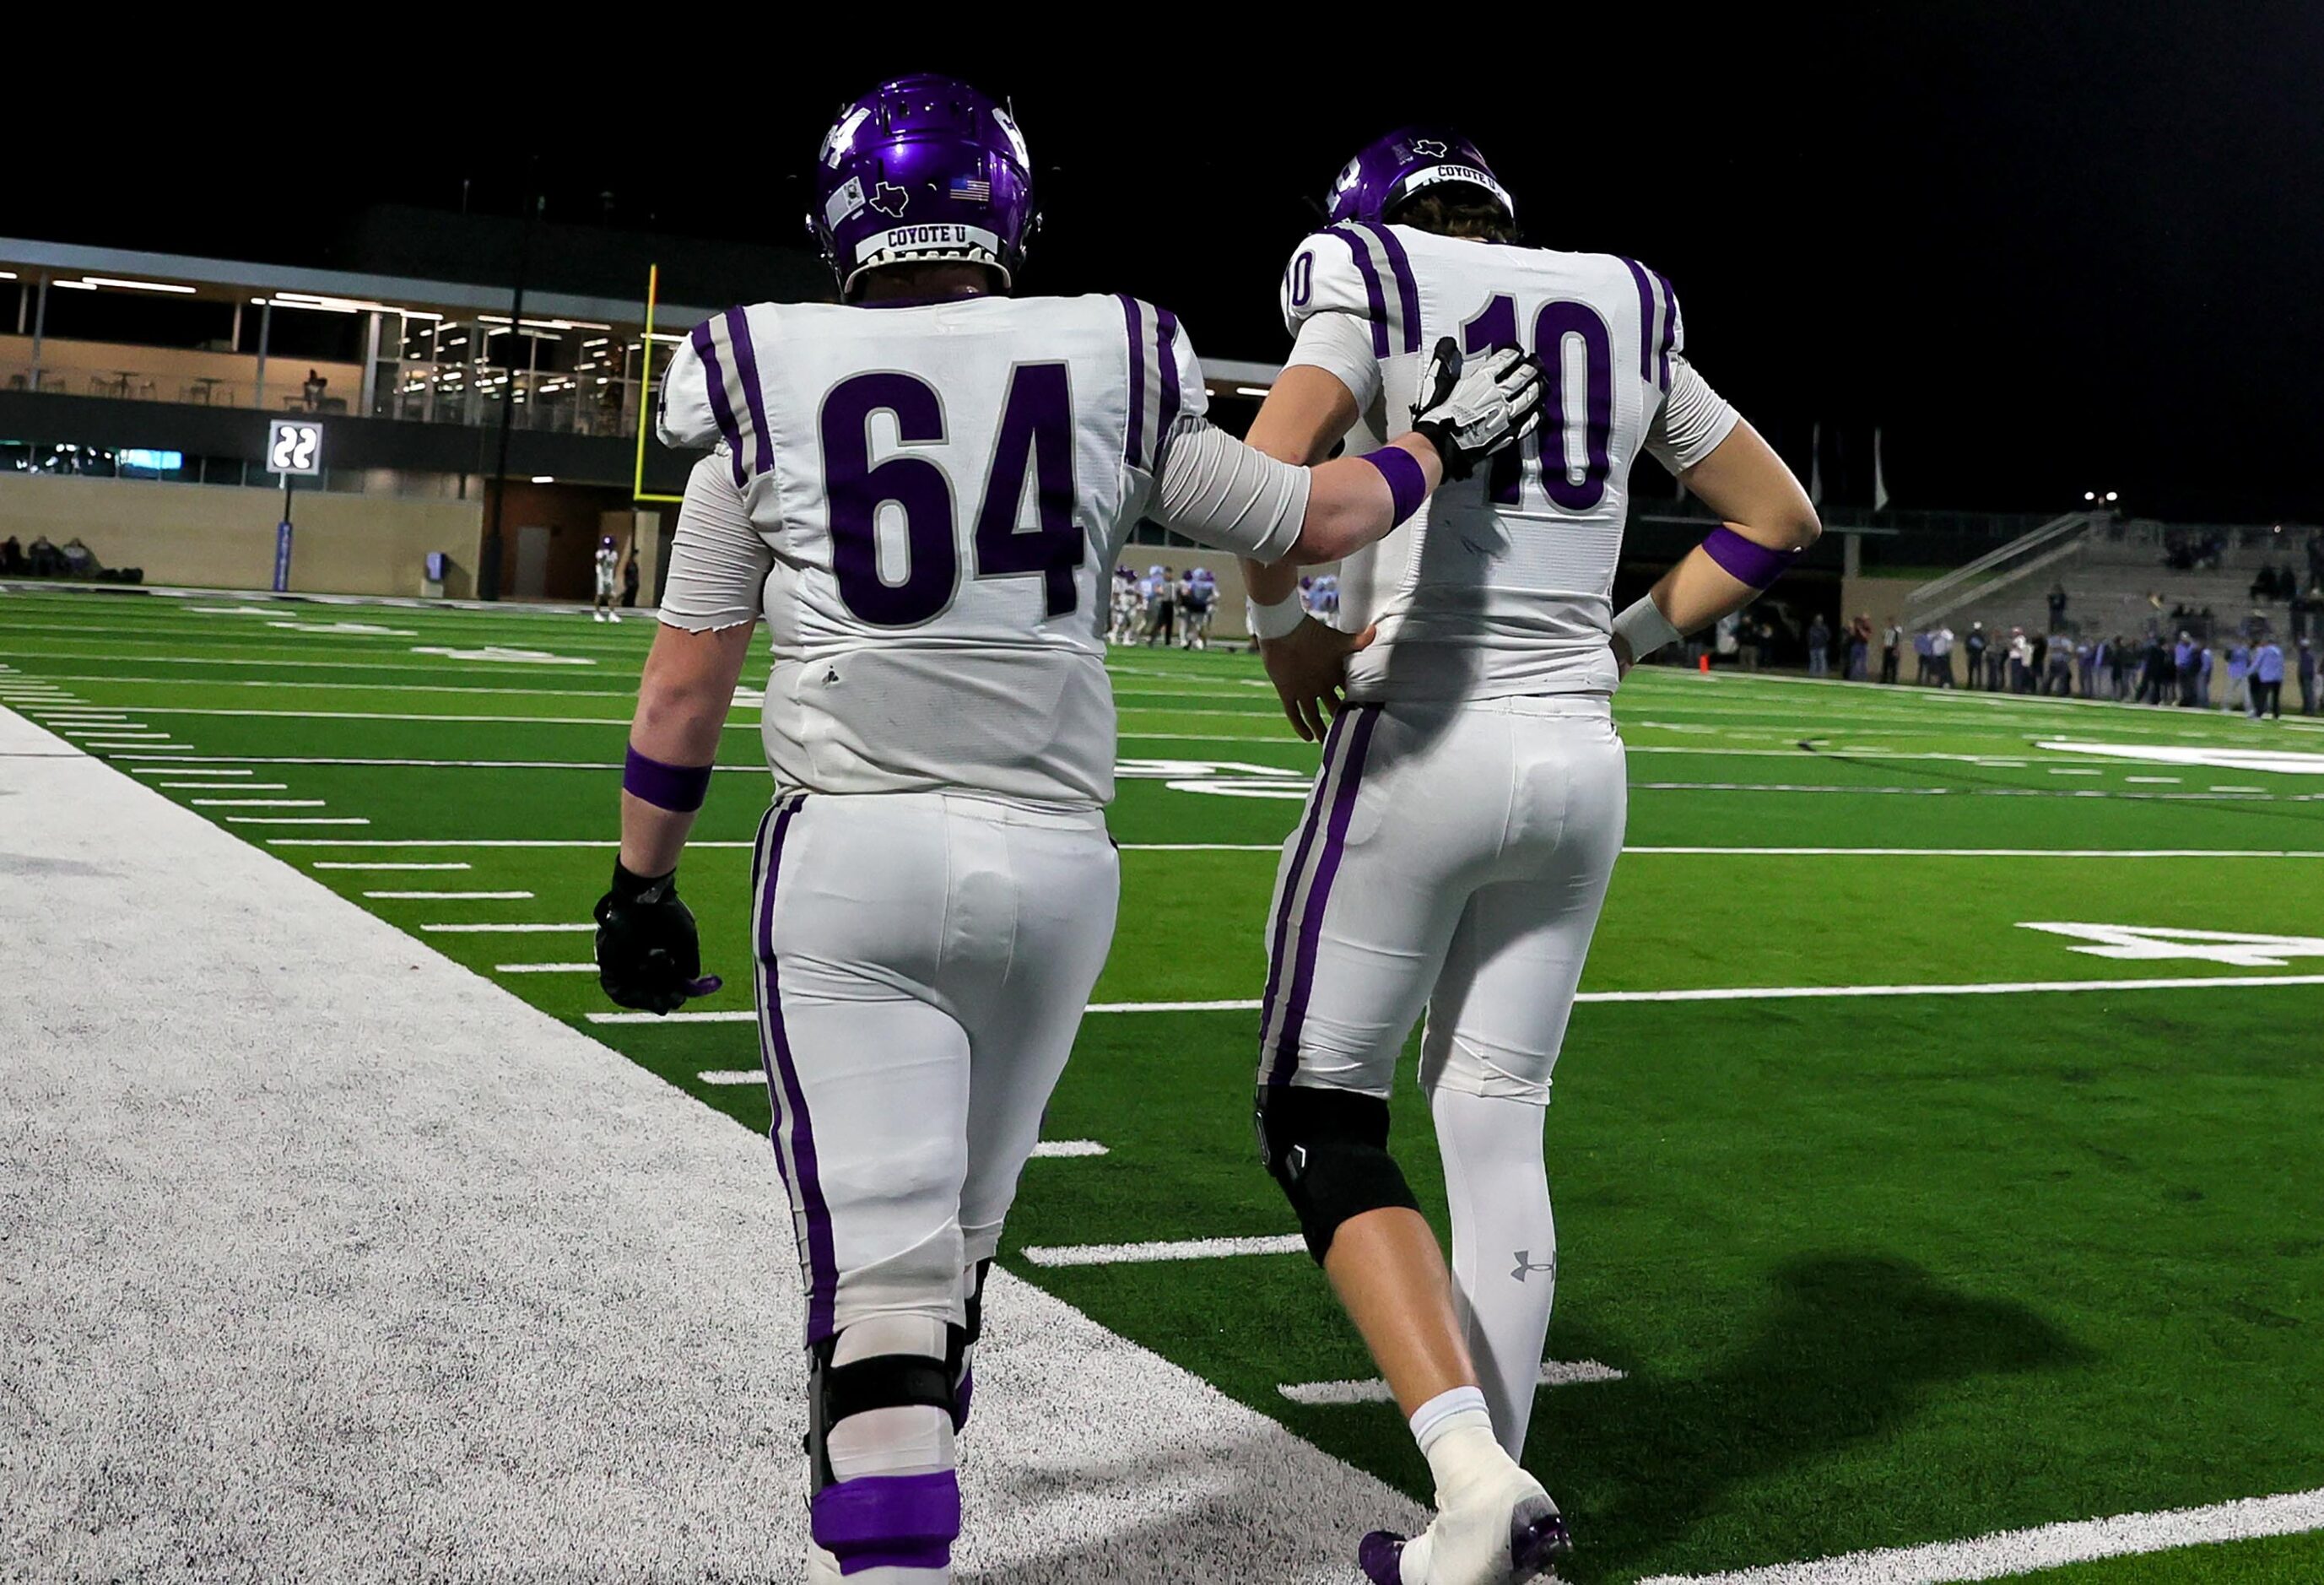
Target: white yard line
[
  {"x": 544, "y": 968},
  {"x": 1820, "y": 852},
  {"x": 450, "y": 896},
  {"x": 222, "y": 786},
  {"x": 2048, "y": 1547},
  {"x": 1554, "y": 1373},
  {"x": 528, "y": 930},
  {"x": 329, "y": 864},
  {"x": 1056, "y": 1255},
  {"x": 1202, "y": 847},
  {"x": 1700, "y": 993},
  {"x": 181, "y": 768},
  {"x": 733, "y": 1076},
  {"x": 455, "y": 842},
  {"x": 255, "y": 802},
  {"x": 296, "y": 820},
  {"x": 1048, "y": 1149}
]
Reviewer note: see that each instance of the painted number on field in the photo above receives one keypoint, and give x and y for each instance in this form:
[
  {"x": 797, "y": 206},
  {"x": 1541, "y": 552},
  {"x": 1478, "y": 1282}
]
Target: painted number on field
[
  {"x": 2151, "y": 944},
  {"x": 1220, "y": 778}
]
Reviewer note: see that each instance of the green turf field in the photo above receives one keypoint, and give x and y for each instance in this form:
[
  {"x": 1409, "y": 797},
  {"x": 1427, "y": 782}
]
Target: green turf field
[{"x": 1876, "y": 1270}]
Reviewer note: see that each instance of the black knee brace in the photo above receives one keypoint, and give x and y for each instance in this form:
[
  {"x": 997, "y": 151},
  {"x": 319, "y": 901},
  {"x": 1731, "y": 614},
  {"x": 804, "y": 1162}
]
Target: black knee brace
[
  {"x": 1329, "y": 1150},
  {"x": 884, "y": 1381}
]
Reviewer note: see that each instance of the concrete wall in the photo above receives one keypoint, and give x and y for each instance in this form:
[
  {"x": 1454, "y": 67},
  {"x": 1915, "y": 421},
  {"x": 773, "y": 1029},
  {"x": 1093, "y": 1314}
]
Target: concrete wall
[
  {"x": 218, "y": 536},
  {"x": 1881, "y": 599}
]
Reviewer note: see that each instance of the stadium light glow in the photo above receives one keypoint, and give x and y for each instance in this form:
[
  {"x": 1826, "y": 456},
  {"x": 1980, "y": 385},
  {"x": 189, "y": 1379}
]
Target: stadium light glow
[
  {"x": 544, "y": 478},
  {"x": 1252, "y": 389}
]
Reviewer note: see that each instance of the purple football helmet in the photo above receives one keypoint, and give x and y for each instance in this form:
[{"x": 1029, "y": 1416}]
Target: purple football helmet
[
  {"x": 923, "y": 168},
  {"x": 1388, "y": 171}
]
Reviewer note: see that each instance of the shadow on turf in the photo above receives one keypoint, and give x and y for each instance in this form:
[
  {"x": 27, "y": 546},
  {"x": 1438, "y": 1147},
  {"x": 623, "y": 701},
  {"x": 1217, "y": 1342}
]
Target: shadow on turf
[{"x": 1848, "y": 1348}]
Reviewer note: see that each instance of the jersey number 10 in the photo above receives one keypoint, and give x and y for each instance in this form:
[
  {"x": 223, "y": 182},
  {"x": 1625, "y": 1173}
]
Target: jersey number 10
[
  {"x": 1036, "y": 438},
  {"x": 1573, "y": 489}
]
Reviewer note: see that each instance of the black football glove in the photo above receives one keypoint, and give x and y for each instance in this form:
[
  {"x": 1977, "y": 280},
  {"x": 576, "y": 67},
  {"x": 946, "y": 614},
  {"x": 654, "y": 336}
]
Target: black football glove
[
  {"x": 1473, "y": 414},
  {"x": 648, "y": 956}
]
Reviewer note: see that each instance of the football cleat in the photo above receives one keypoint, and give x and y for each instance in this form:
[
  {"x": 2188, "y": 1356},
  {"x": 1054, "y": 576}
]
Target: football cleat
[{"x": 1511, "y": 1534}]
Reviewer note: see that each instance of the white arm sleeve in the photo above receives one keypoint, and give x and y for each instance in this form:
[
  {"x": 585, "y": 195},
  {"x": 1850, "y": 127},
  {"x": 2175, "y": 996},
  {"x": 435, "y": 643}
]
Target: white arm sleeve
[
  {"x": 1693, "y": 420},
  {"x": 1218, "y": 491},
  {"x": 1340, "y": 344},
  {"x": 718, "y": 564}
]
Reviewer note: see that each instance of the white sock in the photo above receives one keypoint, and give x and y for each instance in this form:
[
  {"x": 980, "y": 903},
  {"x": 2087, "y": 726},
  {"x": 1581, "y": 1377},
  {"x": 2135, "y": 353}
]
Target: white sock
[
  {"x": 1456, "y": 1435},
  {"x": 1504, "y": 1246}
]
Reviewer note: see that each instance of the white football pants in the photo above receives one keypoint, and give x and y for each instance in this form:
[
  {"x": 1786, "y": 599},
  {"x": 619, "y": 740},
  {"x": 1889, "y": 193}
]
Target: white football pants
[
  {"x": 923, "y": 963},
  {"x": 1453, "y": 858}
]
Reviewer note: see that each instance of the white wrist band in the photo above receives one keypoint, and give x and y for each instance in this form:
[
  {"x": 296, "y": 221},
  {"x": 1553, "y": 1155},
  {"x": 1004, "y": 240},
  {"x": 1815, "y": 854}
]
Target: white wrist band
[
  {"x": 1272, "y": 621},
  {"x": 1646, "y": 628}
]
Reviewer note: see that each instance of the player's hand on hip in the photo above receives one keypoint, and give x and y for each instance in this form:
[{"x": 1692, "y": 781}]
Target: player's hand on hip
[
  {"x": 1623, "y": 659},
  {"x": 648, "y": 956},
  {"x": 1471, "y": 409},
  {"x": 1309, "y": 669}
]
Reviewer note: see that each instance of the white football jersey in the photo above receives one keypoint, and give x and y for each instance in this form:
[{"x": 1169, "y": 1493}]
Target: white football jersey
[
  {"x": 1501, "y": 584},
  {"x": 943, "y": 489}
]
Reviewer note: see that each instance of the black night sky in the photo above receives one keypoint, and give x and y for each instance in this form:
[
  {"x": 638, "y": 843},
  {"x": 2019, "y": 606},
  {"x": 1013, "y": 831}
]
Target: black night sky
[{"x": 2047, "y": 248}]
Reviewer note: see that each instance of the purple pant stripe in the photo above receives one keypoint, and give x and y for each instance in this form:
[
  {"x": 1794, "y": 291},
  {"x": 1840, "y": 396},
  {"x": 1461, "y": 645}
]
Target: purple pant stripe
[
  {"x": 1645, "y": 318},
  {"x": 714, "y": 380},
  {"x": 1372, "y": 293},
  {"x": 1670, "y": 326},
  {"x": 1319, "y": 895},
  {"x": 1166, "y": 367},
  {"x": 790, "y": 1098},
  {"x": 1281, "y": 934},
  {"x": 746, "y": 369},
  {"x": 1407, "y": 289},
  {"x": 1133, "y": 317}
]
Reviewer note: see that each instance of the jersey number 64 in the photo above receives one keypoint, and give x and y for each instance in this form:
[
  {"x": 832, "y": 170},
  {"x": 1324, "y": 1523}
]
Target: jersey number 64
[{"x": 1036, "y": 438}]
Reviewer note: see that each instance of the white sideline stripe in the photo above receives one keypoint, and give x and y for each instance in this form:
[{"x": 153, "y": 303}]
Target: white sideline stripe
[
  {"x": 446, "y": 897},
  {"x": 528, "y": 930},
  {"x": 254, "y": 803},
  {"x": 1554, "y": 1373},
  {"x": 1051, "y": 1148},
  {"x": 226, "y": 787},
  {"x": 2155, "y": 780},
  {"x": 296, "y": 820},
  {"x": 330, "y": 864},
  {"x": 2046, "y": 1546},
  {"x": 551, "y": 969},
  {"x": 2226, "y": 789},
  {"x": 1182, "y": 1249},
  {"x": 1700, "y": 994},
  {"x": 732, "y": 1076},
  {"x": 184, "y": 769}
]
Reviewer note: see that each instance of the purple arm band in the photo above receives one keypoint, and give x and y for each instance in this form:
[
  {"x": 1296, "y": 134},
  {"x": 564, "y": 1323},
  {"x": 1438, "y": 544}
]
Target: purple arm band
[
  {"x": 1746, "y": 559},
  {"x": 1406, "y": 484},
  {"x": 676, "y": 788}
]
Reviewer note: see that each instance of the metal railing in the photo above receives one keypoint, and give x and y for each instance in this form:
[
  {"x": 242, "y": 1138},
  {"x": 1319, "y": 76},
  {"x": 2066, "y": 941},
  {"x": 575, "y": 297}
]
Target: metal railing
[{"x": 1996, "y": 570}]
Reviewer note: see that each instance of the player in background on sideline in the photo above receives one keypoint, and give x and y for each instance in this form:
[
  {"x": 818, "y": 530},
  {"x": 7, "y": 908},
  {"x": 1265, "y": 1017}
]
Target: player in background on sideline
[
  {"x": 1458, "y": 841},
  {"x": 935, "y": 889},
  {"x": 609, "y": 560}
]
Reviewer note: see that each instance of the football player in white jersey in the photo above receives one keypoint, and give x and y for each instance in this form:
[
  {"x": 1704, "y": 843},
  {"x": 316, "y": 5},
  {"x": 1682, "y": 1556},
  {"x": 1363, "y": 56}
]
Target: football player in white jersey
[
  {"x": 1458, "y": 841},
  {"x": 922, "y": 491},
  {"x": 608, "y": 561}
]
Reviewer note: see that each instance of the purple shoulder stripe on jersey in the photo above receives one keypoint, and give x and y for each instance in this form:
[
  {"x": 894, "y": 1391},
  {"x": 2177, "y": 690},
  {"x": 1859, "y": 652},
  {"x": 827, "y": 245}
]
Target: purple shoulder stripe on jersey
[
  {"x": 1166, "y": 367},
  {"x": 1646, "y": 317},
  {"x": 1670, "y": 326},
  {"x": 1133, "y": 316},
  {"x": 791, "y": 1118},
  {"x": 889, "y": 1521},
  {"x": 746, "y": 369},
  {"x": 1407, "y": 288},
  {"x": 1319, "y": 894},
  {"x": 721, "y": 410},
  {"x": 1281, "y": 935},
  {"x": 1377, "y": 298}
]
